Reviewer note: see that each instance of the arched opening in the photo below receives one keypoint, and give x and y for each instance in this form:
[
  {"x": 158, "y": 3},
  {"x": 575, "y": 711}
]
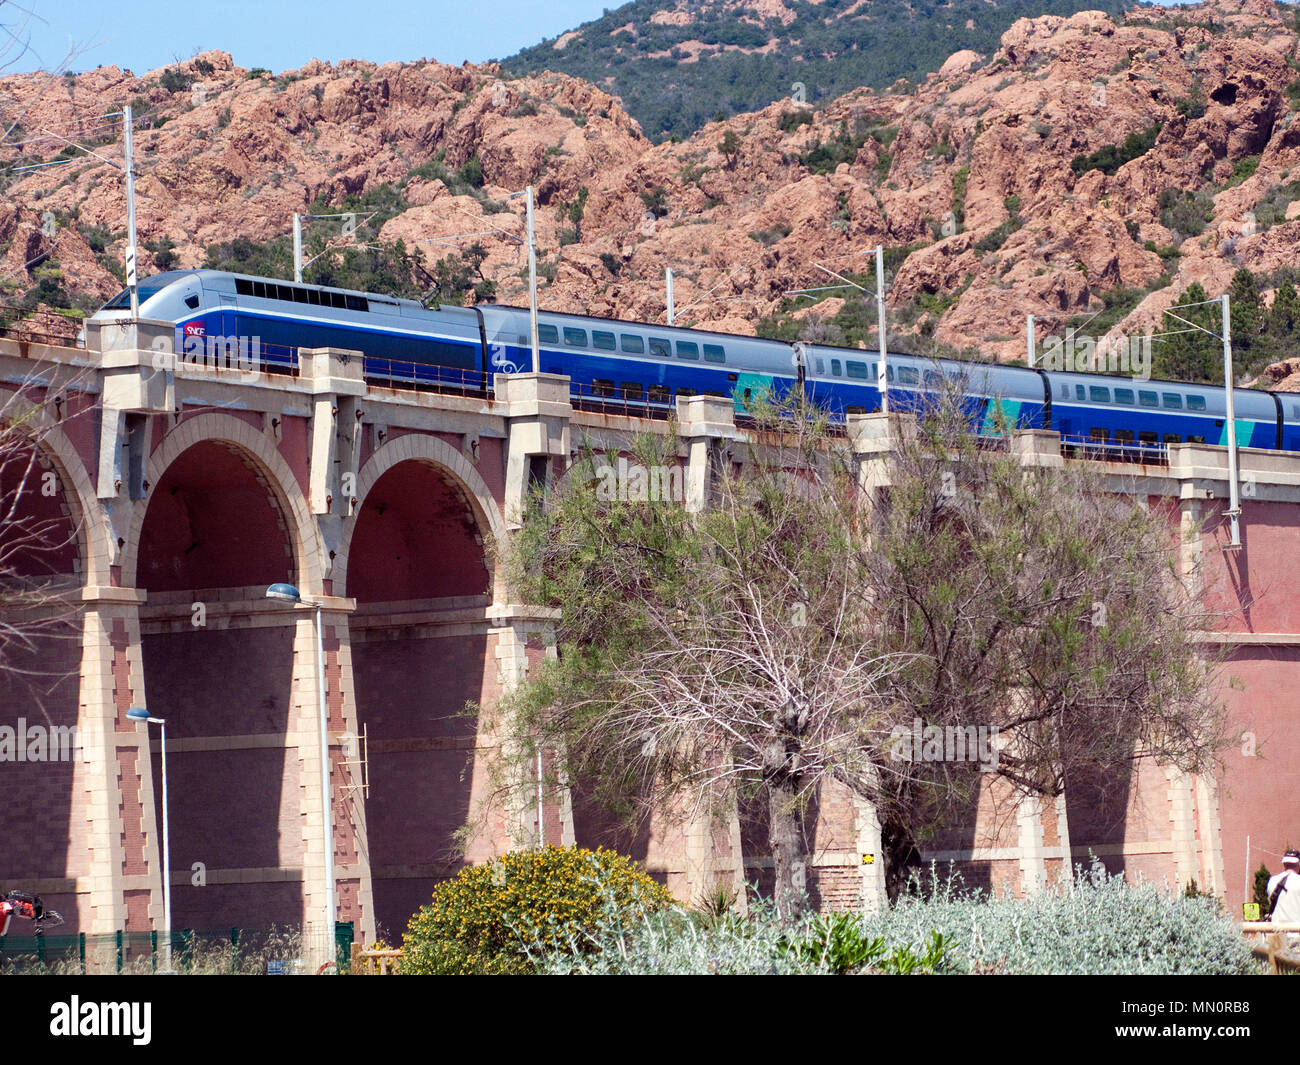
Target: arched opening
[
  {"x": 417, "y": 569},
  {"x": 218, "y": 666},
  {"x": 41, "y": 567}
]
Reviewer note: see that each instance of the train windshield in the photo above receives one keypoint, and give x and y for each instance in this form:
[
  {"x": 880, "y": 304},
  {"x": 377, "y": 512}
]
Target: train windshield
[{"x": 122, "y": 300}]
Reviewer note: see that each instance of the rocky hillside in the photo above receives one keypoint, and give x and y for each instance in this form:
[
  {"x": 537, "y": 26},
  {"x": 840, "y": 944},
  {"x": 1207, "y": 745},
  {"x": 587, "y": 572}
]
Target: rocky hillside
[
  {"x": 1088, "y": 168},
  {"x": 677, "y": 65}
]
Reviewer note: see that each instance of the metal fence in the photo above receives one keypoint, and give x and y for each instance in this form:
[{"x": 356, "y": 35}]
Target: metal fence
[{"x": 242, "y": 951}]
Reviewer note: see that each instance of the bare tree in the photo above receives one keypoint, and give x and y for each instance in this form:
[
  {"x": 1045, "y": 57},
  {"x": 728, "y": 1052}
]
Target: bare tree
[
  {"x": 1046, "y": 606},
  {"x": 795, "y": 631},
  {"x": 39, "y": 546}
]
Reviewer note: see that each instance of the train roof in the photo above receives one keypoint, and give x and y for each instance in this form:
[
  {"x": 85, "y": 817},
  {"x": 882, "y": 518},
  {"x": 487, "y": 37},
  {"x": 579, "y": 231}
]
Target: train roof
[
  {"x": 624, "y": 323},
  {"x": 168, "y": 277},
  {"x": 205, "y": 274}
]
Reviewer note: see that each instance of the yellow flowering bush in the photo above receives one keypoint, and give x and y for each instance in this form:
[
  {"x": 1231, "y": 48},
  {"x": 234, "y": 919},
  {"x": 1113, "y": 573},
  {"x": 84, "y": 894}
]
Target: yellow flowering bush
[{"x": 489, "y": 919}]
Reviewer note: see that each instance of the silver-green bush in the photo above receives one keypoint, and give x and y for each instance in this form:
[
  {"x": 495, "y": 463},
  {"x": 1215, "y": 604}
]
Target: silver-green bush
[{"x": 1095, "y": 924}]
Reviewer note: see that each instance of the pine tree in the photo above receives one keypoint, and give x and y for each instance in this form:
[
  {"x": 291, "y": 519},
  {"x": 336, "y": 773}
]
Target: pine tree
[
  {"x": 1191, "y": 355},
  {"x": 1284, "y": 322},
  {"x": 1251, "y": 347}
]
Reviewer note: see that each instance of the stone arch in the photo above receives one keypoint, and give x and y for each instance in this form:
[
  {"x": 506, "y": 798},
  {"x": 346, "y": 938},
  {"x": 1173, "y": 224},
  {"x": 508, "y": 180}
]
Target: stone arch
[
  {"x": 225, "y": 428},
  {"x": 93, "y": 531},
  {"x": 436, "y": 452},
  {"x": 41, "y": 684},
  {"x": 422, "y": 649},
  {"x": 233, "y": 678}
]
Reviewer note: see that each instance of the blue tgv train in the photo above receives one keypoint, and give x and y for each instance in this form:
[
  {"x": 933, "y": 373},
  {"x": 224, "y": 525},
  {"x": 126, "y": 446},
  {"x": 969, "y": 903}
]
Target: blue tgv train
[{"x": 645, "y": 367}]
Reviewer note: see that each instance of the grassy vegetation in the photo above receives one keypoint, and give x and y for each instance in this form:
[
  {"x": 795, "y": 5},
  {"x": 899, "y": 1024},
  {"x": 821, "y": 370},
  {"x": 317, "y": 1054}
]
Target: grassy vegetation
[{"x": 1111, "y": 157}]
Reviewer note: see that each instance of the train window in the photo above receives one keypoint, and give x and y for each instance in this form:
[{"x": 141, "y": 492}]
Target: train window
[
  {"x": 908, "y": 375},
  {"x": 857, "y": 369},
  {"x": 1148, "y": 399},
  {"x": 1123, "y": 436},
  {"x": 1173, "y": 438},
  {"x": 1079, "y": 392},
  {"x": 714, "y": 353},
  {"x": 658, "y": 393},
  {"x": 357, "y": 303},
  {"x": 1097, "y": 394},
  {"x": 1196, "y": 439},
  {"x": 633, "y": 345},
  {"x": 933, "y": 380},
  {"x": 192, "y": 302},
  {"x": 1124, "y": 396},
  {"x": 547, "y": 334},
  {"x": 575, "y": 338},
  {"x": 686, "y": 392},
  {"x": 259, "y": 289},
  {"x": 1173, "y": 401},
  {"x": 337, "y": 300},
  {"x": 313, "y": 297},
  {"x": 1098, "y": 436},
  {"x": 889, "y": 372},
  {"x": 602, "y": 388},
  {"x": 243, "y": 287},
  {"x": 1148, "y": 438},
  {"x": 1065, "y": 391},
  {"x": 284, "y": 293},
  {"x": 300, "y": 296},
  {"x": 1196, "y": 402},
  {"x": 602, "y": 340},
  {"x": 660, "y": 348},
  {"x": 632, "y": 390},
  {"x": 836, "y": 368},
  {"x": 688, "y": 349},
  {"x": 821, "y": 367}
]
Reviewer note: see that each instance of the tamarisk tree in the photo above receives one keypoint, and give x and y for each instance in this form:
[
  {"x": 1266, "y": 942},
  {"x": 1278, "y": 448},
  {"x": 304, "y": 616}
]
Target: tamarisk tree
[
  {"x": 1045, "y": 605},
  {"x": 793, "y": 630}
]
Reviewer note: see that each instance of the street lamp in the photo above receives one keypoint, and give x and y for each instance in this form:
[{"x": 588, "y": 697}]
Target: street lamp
[
  {"x": 139, "y": 713},
  {"x": 289, "y": 594}
]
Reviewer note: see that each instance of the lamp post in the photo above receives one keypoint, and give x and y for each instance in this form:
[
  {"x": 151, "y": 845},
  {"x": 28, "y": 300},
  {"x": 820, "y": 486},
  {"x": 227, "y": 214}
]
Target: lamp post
[
  {"x": 139, "y": 713},
  {"x": 289, "y": 594}
]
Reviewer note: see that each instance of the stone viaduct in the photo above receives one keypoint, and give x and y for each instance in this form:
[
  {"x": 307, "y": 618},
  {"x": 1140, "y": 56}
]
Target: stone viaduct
[{"x": 184, "y": 491}]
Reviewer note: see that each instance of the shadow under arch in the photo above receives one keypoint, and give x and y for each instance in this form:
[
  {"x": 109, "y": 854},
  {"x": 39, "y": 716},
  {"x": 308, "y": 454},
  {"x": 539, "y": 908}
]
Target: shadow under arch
[
  {"x": 224, "y": 519},
  {"x": 415, "y": 559},
  {"x": 53, "y": 541}
]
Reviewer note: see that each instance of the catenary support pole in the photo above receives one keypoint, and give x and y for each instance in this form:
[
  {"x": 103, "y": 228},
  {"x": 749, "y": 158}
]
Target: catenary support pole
[
  {"x": 1234, "y": 489},
  {"x": 882, "y": 374},
  {"x": 532, "y": 281},
  {"x": 132, "y": 281}
]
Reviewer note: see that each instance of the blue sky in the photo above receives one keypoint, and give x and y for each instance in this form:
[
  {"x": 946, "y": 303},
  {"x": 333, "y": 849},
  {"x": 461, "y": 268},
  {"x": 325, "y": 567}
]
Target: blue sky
[{"x": 285, "y": 34}]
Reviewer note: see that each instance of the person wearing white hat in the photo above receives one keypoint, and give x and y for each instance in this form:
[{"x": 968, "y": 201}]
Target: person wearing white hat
[{"x": 1284, "y": 894}]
